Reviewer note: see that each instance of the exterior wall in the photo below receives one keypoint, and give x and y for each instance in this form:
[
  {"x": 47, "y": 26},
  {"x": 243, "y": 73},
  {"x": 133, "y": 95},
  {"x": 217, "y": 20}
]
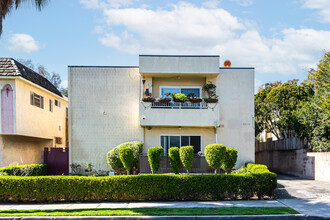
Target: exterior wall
[
  {"x": 297, "y": 162},
  {"x": 104, "y": 112},
  {"x": 17, "y": 150},
  {"x": 175, "y": 81},
  {"x": 235, "y": 88},
  {"x": 179, "y": 64},
  {"x": 152, "y": 137},
  {"x": 37, "y": 122}
]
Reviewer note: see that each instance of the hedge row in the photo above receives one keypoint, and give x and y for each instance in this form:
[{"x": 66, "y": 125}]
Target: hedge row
[
  {"x": 25, "y": 170},
  {"x": 137, "y": 187}
]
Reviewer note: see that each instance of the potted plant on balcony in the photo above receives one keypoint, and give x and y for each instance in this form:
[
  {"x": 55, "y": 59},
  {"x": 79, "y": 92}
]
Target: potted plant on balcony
[
  {"x": 179, "y": 97},
  {"x": 166, "y": 99},
  {"x": 148, "y": 99},
  {"x": 210, "y": 88}
]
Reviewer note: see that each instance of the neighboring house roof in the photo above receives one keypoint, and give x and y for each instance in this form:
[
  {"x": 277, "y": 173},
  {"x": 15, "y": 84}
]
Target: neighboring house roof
[{"x": 10, "y": 67}]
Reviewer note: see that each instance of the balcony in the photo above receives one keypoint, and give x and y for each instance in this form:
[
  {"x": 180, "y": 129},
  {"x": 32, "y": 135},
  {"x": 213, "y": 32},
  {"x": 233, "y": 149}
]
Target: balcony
[{"x": 179, "y": 114}]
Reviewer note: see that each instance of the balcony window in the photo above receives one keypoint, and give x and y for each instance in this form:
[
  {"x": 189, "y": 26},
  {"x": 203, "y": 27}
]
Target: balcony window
[
  {"x": 196, "y": 91},
  {"x": 168, "y": 141}
]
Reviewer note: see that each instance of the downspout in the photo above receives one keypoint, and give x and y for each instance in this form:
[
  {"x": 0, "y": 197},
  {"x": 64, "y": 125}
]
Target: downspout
[{"x": 215, "y": 131}]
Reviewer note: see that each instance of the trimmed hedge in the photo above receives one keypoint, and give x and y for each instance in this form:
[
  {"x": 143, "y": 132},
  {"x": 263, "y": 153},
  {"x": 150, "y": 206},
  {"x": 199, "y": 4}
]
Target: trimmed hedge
[
  {"x": 25, "y": 170},
  {"x": 174, "y": 156},
  {"x": 154, "y": 154},
  {"x": 215, "y": 155},
  {"x": 186, "y": 156},
  {"x": 137, "y": 187},
  {"x": 126, "y": 157},
  {"x": 114, "y": 160},
  {"x": 229, "y": 159}
]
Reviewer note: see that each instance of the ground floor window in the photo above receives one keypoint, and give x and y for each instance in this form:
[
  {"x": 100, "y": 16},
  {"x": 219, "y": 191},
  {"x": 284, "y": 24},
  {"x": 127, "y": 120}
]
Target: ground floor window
[{"x": 168, "y": 141}]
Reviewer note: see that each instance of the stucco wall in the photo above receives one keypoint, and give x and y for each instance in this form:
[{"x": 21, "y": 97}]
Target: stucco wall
[
  {"x": 17, "y": 150},
  {"x": 235, "y": 88},
  {"x": 104, "y": 112},
  {"x": 11, "y": 82},
  {"x": 152, "y": 137},
  {"x": 37, "y": 122}
]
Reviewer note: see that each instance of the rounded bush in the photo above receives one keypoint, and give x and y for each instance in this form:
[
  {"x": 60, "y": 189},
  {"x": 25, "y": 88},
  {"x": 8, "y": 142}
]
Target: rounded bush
[
  {"x": 215, "y": 155},
  {"x": 174, "y": 155},
  {"x": 154, "y": 156},
  {"x": 126, "y": 157},
  {"x": 229, "y": 159},
  {"x": 186, "y": 156},
  {"x": 114, "y": 160}
]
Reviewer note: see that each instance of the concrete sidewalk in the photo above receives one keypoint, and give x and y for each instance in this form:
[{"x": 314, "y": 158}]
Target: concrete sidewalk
[{"x": 114, "y": 205}]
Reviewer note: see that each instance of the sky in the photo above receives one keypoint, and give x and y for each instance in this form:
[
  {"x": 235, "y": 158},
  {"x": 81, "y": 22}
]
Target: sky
[{"x": 282, "y": 39}]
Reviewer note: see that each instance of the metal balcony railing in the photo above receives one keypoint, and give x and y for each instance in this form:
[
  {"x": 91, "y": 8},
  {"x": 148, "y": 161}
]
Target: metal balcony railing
[{"x": 179, "y": 105}]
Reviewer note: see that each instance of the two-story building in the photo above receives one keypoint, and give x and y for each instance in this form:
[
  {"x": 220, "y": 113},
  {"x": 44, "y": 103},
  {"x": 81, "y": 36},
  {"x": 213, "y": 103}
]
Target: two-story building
[
  {"x": 107, "y": 107},
  {"x": 33, "y": 114}
]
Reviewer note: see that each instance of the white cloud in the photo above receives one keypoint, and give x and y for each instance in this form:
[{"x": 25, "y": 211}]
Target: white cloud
[
  {"x": 323, "y": 7},
  {"x": 211, "y": 3},
  {"x": 22, "y": 43},
  {"x": 244, "y": 3},
  {"x": 185, "y": 28},
  {"x": 91, "y": 4}
]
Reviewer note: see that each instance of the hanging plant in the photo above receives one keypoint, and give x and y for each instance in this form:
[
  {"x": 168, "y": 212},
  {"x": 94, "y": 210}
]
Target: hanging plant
[{"x": 209, "y": 87}]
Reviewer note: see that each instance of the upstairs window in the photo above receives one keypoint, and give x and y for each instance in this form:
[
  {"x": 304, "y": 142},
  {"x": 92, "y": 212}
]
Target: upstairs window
[
  {"x": 57, "y": 103},
  {"x": 50, "y": 105},
  {"x": 37, "y": 100},
  {"x": 187, "y": 90},
  {"x": 168, "y": 141}
]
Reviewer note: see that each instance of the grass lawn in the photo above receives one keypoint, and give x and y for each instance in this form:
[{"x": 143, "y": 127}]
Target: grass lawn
[{"x": 152, "y": 211}]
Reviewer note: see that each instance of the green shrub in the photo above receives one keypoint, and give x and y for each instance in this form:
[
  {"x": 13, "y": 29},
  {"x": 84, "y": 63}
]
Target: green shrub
[
  {"x": 136, "y": 188},
  {"x": 229, "y": 159},
  {"x": 174, "y": 156},
  {"x": 180, "y": 96},
  {"x": 186, "y": 156},
  {"x": 256, "y": 168},
  {"x": 114, "y": 160},
  {"x": 154, "y": 156},
  {"x": 26, "y": 170},
  {"x": 126, "y": 157},
  {"x": 215, "y": 155}
]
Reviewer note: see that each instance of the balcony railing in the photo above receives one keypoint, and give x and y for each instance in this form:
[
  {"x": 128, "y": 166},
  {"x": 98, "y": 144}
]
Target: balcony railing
[{"x": 179, "y": 105}]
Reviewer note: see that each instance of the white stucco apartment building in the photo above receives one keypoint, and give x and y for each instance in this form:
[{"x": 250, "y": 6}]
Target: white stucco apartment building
[{"x": 106, "y": 107}]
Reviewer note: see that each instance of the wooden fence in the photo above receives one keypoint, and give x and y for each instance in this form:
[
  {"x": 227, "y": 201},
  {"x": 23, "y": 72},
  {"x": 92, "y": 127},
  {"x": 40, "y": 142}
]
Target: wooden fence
[
  {"x": 199, "y": 165},
  {"x": 279, "y": 145}
]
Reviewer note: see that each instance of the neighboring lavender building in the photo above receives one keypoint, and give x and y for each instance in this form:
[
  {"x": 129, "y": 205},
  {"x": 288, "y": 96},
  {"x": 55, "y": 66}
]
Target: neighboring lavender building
[{"x": 106, "y": 107}]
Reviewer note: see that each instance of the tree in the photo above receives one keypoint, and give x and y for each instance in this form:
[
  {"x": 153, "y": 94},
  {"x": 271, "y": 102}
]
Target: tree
[
  {"x": 275, "y": 108},
  {"x": 6, "y": 7},
  {"x": 315, "y": 114}
]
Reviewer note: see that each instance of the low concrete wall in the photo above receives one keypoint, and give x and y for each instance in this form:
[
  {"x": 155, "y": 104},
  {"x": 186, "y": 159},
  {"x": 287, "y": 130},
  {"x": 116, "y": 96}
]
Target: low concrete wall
[{"x": 296, "y": 162}]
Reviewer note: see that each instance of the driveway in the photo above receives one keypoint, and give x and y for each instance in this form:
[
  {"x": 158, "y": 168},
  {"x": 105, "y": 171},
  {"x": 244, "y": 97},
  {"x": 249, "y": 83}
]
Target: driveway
[{"x": 308, "y": 197}]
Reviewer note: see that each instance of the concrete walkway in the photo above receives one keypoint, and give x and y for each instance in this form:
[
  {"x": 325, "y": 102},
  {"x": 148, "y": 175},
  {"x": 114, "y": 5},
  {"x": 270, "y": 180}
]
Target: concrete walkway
[
  {"x": 308, "y": 197},
  {"x": 210, "y": 204}
]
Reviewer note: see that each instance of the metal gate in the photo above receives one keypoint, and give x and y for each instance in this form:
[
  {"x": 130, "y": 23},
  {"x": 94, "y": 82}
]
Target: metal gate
[{"x": 57, "y": 160}]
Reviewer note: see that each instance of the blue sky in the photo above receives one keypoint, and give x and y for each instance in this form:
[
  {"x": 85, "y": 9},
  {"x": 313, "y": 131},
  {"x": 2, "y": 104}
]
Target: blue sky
[{"x": 283, "y": 39}]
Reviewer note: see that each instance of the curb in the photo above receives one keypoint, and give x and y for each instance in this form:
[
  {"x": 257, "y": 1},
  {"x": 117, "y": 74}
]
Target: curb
[{"x": 259, "y": 217}]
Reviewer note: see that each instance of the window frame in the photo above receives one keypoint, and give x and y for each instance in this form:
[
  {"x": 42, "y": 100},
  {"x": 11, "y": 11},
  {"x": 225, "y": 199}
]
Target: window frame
[
  {"x": 58, "y": 103},
  {"x": 51, "y": 108},
  {"x": 40, "y": 99},
  {"x": 160, "y": 140},
  {"x": 180, "y": 87}
]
